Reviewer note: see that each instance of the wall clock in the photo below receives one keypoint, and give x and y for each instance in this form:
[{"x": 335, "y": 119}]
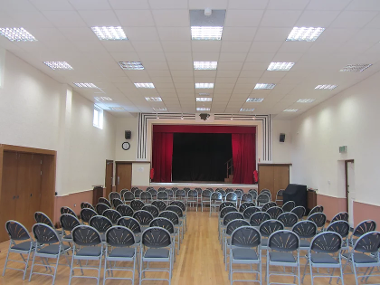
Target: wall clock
[{"x": 125, "y": 145}]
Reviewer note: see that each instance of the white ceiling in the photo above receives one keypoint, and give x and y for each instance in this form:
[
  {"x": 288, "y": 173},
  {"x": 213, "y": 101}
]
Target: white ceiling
[{"x": 159, "y": 36}]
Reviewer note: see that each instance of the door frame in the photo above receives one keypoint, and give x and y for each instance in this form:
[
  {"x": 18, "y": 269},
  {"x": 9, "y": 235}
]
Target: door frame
[
  {"x": 346, "y": 179},
  {"x": 117, "y": 164},
  {"x": 112, "y": 174}
]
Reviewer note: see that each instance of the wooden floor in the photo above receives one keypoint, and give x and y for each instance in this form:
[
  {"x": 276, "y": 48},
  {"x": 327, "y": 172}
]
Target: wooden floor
[{"x": 200, "y": 261}]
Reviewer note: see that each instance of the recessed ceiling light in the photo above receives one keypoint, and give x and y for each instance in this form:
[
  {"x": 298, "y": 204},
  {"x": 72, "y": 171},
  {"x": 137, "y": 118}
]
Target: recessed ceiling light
[
  {"x": 290, "y": 110},
  {"x": 17, "y": 35},
  {"x": 144, "y": 85},
  {"x": 160, "y": 109},
  {"x": 305, "y": 100},
  {"x": 280, "y": 66},
  {"x": 85, "y": 85},
  {"x": 304, "y": 34},
  {"x": 247, "y": 109},
  {"x": 103, "y": 99},
  {"x": 204, "y": 94},
  {"x": 205, "y": 65},
  {"x": 204, "y": 85},
  {"x": 264, "y": 86},
  {"x": 206, "y": 33},
  {"x": 131, "y": 65},
  {"x": 326, "y": 87},
  {"x": 58, "y": 65},
  {"x": 153, "y": 99},
  {"x": 110, "y": 33},
  {"x": 204, "y": 99},
  {"x": 355, "y": 67},
  {"x": 257, "y": 100},
  {"x": 117, "y": 109},
  {"x": 203, "y": 109}
]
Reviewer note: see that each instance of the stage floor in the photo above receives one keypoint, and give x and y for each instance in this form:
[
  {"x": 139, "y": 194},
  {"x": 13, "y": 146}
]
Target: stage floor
[{"x": 204, "y": 184}]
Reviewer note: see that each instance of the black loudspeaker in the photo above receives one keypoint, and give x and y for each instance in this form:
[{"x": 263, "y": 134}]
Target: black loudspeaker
[
  {"x": 282, "y": 137},
  {"x": 128, "y": 135}
]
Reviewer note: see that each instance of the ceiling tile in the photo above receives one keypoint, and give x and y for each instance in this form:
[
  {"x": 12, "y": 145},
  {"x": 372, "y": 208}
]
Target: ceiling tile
[
  {"x": 168, "y": 4},
  {"x": 118, "y": 46},
  {"x": 367, "y": 5},
  {"x": 283, "y": 18},
  {"x": 17, "y": 5},
  {"x": 206, "y": 46},
  {"x": 260, "y": 57},
  {"x": 316, "y": 18},
  {"x": 155, "y": 65},
  {"x": 287, "y": 4},
  {"x": 176, "y": 18},
  {"x": 229, "y": 56},
  {"x": 205, "y": 56},
  {"x": 265, "y": 46},
  {"x": 79, "y": 34},
  {"x": 240, "y": 34},
  {"x": 30, "y": 19},
  {"x": 243, "y": 18},
  {"x": 129, "y": 4},
  {"x": 295, "y": 47},
  {"x": 272, "y": 34},
  {"x": 94, "y": 4},
  {"x": 141, "y": 33},
  {"x": 133, "y": 18},
  {"x": 248, "y": 4},
  {"x": 226, "y": 65},
  {"x": 180, "y": 65},
  {"x": 147, "y": 57},
  {"x": 174, "y": 33},
  {"x": 176, "y": 46},
  {"x": 344, "y": 20},
  {"x": 99, "y": 18},
  {"x": 179, "y": 56},
  {"x": 202, "y": 4},
  {"x": 327, "y": 4},
  {"x": 235, "y": 46},
  {"x": 148, "y": 46},
  {"x": 64, "y": 19}
]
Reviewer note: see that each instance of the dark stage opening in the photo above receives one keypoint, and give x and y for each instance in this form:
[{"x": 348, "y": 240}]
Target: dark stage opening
[{"x": 200, "y": 156}]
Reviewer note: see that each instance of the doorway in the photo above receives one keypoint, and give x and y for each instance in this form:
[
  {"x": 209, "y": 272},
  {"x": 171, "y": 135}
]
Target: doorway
[
  {"x": 109, "y": 177},
  {"x": 350, "y": 189},
  {"x": 123, "y": 175}
]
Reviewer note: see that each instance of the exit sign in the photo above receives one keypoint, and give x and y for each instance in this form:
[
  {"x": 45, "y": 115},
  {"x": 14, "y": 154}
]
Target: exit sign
[{"x": 343, "y": 149}]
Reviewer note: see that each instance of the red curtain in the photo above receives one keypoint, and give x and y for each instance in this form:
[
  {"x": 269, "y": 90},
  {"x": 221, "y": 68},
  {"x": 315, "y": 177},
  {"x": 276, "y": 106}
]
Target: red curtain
[
  {"x": 162, "y": 157},
  {"x": 244, "y": 157}
]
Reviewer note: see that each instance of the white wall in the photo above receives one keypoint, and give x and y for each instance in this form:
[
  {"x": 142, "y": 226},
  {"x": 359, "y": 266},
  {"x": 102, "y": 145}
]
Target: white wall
[
  {"x": 347, "y": 119},
  {"x": 281, "y": 151},
  {"x": 122, "y": 125}
]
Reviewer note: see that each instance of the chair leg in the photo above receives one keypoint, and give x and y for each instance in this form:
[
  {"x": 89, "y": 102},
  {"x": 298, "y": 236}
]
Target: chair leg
[
  {"x": 341, "y": 274},
  {"x": 304, "y": 271},
  {"x": 105, "y": 269},
  {"x": 141, "y": 265},
  {"x": 26, "y": 266},
  {"x": 56, "y": 267},
  {"x": 31, "y": 269},
  {"x": 6, "y": 262},
  {"x": 99, "y": 270}
]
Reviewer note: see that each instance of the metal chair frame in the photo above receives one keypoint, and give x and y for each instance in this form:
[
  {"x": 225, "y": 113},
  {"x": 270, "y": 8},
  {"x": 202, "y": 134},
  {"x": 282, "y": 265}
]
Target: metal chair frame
[
  {"x": 216, "y": 199},
  {"x": 192, "y": 199},
  {"x": 205, "y": 198}
]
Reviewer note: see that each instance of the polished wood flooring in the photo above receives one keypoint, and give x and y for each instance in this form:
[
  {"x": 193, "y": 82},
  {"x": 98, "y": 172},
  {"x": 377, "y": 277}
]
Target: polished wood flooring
[{"x": 200, "y": 261}]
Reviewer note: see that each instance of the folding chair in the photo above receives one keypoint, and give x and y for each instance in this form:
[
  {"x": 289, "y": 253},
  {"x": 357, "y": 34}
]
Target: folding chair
[
  {"x": 173, "y": 217},
  {"x": 226, "y": 219},
  {"x": 288, "y": 206},
  {"x": 239, "y": 193},
  {"x": 151, "y": 209},
  {"x": 343, "y": 229},
  {"x": 266, "y": 229},
  {"x": 170, "y": 193},
  {"x": 274, "y": 212},
  {"x": 101, "y": 224},
  {"x": 112, "y": 215},
  {"x": 288, "y": 219},
  {"x": 268, "y": 205},
  {"x": 306, "y": 230},
  {"x": 279, "y": 194},
  {"x": 248, "y": 212},
  {"x": 144, "y": 218},
  {"x": 137, "y": 193},
  {"x": 299, "y": 211},
  {"x": 114, "y": 195},
  {"x": 176, "y": 209},
  {"x": 247, "y": 198},
  {"x": 86, "y": 214},
  {"x": 223, "y": 212},
  {"x": 182, "y": 205},
  {"x": 67, "y": 210},
  {"x": 153, "y": 192},
  {"x": 146, "y": 197},
  {"x": 128, "y": 196},
  {"x": 101, "y": 207},
  {"x": 136, "y": 204},
  {"x": 258, "y": 218},
  {"x": 216, "y": 199},
  {"x": 125, "y": 210},
  {"x": 163, "y": 196},
  {"x": 104, "y": 201},
  {"x": 180, "y": 195},
  {"x": 362, "y": 228},
  {"x": 84, "y": 205},
  {"x": 68, "y": 223},
  {"x": 122, "y": 192},
  {"x": 226, "y": 204},
  {"x": 116, "y": 202},
  {"x": 42, "y": 218},
  {"x": 169, "y": 226},
  {"x": 205, "y": 198},
  {"x": 232, "y": 197},
  {"x": 316, "y": 209},
  {"x": 319, "y": 219},
  {"x": 221, "y": 191},
  {"x": 245, "y": 205},
  {"x": 192, "y": 199},
  {"x": 133, "y": 225},
  {"x": 160, "y": 205},
  {"x": 342, "y": 216}
]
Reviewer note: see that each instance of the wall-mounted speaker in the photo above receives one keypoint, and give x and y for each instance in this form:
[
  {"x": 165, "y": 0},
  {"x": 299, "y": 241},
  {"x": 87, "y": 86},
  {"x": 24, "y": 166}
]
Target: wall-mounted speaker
[
  {"x": 282, "y": 137},
  {"x": 128, "y": 135}
]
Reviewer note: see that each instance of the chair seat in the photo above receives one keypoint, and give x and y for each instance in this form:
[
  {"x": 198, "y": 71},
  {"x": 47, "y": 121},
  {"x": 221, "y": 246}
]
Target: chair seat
[
  {"x": 89, "y": 251},
  {"x": 157, "y": 253},
  {"x": 323, "y": 258},
  {"x": 281, "y": 257},
  {"x": 304, "y": 243},
  {"x": 24, "y": 246},
  {"x": 264, "y": 242},
  {"x": 52, "y": 249},
  {"x": 244, "y": 254},
  {"x": 122, "y": 252},
  {"x": 360, "y": 257},
  {"x": 69, "y": 236}
]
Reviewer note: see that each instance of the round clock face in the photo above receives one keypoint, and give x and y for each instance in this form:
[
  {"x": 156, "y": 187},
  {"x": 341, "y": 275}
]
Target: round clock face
[{"x": 125, "y": 145}]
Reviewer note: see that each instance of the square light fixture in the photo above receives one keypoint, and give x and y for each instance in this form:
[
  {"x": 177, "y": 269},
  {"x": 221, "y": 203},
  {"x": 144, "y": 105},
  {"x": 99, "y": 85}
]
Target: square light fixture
[
  {"x": 131, "y": 65},
  {"x": 110, "y": 33},
  {"x": 149, "y": 85},
  {"x": 58, "y": 65},
  {"x": 326, "y": 87},
  {"x": 280, "y": 66},
  {"x": 209, "y": 99},
  {"x": 160, "y": 109},
  {"x": 205, "y": 65},
  {"x": 304, "y": 34},
  {"x": 264, "y": 86},
  {"x": 291, "y": 110},
  {"x": 153, "y": 99},
  {"x": 305, "y": 100},
  {"x": 117, "y": 109},
  {"x": 206, "y": 33},
  {"x": 204, "y": 85},
  {"x": 203, "y": 109},
  {"x": 256, "y": 100},
  {"x": 85, "y": 85},
  {"x": 103, "y": 99},
  {"x": 17, "y": 35},
  {"x": 360, "y": 67},
  {"x": 247, "y": 109}
]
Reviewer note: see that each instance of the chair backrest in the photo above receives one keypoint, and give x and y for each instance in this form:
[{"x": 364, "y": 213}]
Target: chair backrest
[
  {"x": 163, "y": 223},
  {"x": 279, "y": 194},
  {"x": 316, "y": 209},
  {"x": 258, "y": 218},
  {"x": 45, "y": 234},
  {"x": 104, "y": 201},
  {"x": 101, "y": 207},
  {"x": 114, "y": 195},
  {"x": 122, "y": 191},
  {"x": 284, "y": 240},
  {"x": 212, "y": 190},
  {"x": 206, "y": 194},
  {"x": 162, "y": 195},
  {"x": 231, "y": 197},
  {"x": 305, "y": 229},
  {"x": 68, "y": 222},
  {"x": 216, "y": 196},
  {"x": 67, "y": 210},
  {"x": 180, "y": 193},
  {"x": 239, "y": 193},
  {"x": 130, "y": 223},
  {"x": 232, "y": 216},
  {"x": 113, "y": 215},
  {"x": 364, "y": 227},
  {"x": 274, "y": 212},
  {"x": 161, "y": 189},
  {"x": 100, "y": 223},
  {"x": 125, "y": 210},
  {"x": 156, "y": 237},
  {"x": 233, "y": 225},
  {"x": 170, "y": 215},
  {"x": 299, "y": 211},
  {"x": 192, "y": 194},
  {"x": 341, "y": 227},
  {"x": 41, "y": 217},
  {"x": 245, "y": 236},
  {"x": 84, "y": 235},
  {"x": 288, "y": 206},
  {"x": 175, "y": 188},
  {"x": 247, "y": 213},
  {"x": 146, "y": 196},
  {"x": 179, "y": 204},
  {"x": 368, "y": 243},
  {"x": 263, "y": 198},
  {"x": 266, "y": 191},
  {"x": 227, "y": 210},
  {"x": 151, "y": 209},
  {"x": 116, "y": 202},
  {"x": 245, "y": 205},
  {"x": 342, "y": 216},
  {"x": 326, "y": 242},
  {"x": 170, "y": 193},
  {"x": 288, "y": 219},
  {"x": 226, "y": 204},
  {"x": 268, "y": 205},
  {"x": 152, "y": 192},
  {"x": 149, "y": 188},
  {"x": 136, "y": 205},
  {"x": 137, "y": 193},
  {"x": 318, "y": 218},
  {"x": 16, "y": 230},
  {"x": 134, "y": 188},
  {"x": 160, "y": 205},
  {"x": 229, "y": 190},
  {"x": 86, "y": 214},
  {"x": 221, "y": 191},
  {"x": 253, "y": 192},
  {"x": 84, "y": 205},
  {"x": 175, "y": 209},
  {"x": 143, "y": 217},
  {"x": 270, "y": 226},
  {"x": 128, "y": 196},
  {"x": 247, "y": 198},
  {"x": 120, "y": 236},
  {"x": 200, "y": 191}
]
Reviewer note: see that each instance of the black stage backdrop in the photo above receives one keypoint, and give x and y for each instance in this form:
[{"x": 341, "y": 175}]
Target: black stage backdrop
[{"x": 200, "y": 157}]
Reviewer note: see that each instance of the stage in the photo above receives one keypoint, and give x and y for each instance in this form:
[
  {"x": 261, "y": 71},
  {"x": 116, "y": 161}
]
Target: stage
[{"x": 204, "y": 185}]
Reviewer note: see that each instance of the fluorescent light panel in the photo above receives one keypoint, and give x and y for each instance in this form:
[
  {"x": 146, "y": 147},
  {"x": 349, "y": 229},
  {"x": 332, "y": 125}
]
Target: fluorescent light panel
[
  {"x": 305, "y": 100},
  {"x": 204, "y": 85},
  {"x": 160, "y": 109},
  {"x": 110, "y": 33},
  {"x": 204, "y": 99},
  {"x": 131, "y": 65},
  {"x": 291, "y": 110},
  {"x": 203, "y": 109},
  {"x": 58, "y": 65},
  {"x": 256, "y": 100},
  {"x": 264, "y": 86},
  {"x": 206, "y": 33},
  {"x": 360, "y": 67},
  {"x": 145, "y": 85},
  {"x": 205, "y": 65},
  {"x": 280, "y": 66},
  {"x": 153, "y": 99},
  {"x": 326, "y": 87},
  {"x": 247, "y": 109},
  {"x": 17, "y": 35},
  {"x": 103, "y": 99},
  {"x": 85, "y": 85},
  {"x": 304, "y": 34}
]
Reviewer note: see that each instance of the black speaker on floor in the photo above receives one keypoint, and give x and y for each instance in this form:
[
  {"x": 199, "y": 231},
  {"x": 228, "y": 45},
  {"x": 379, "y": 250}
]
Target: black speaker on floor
[
  {"x": 282, "y": 137},
  {"x": 128, "y": 135}
]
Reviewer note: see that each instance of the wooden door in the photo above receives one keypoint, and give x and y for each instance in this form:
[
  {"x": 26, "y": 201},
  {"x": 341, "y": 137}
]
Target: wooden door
[
  {"x": 280, "y": 178},
  {"x": 108, "y": 179},
  {"x": 34, "y": 190},
  {"x": 123, "y": 176},
  {"x": 265, "y": 177},
  {"x": 8, "y": 191}
]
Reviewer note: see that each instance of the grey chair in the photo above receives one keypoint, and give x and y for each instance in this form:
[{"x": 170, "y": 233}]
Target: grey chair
[
  {"x": 245, "y": 249},
  {"x": 68, "y": 223},
  {"x": 299, "y": 211},
  {"x": 229, "y": 190},
  {"x": 247, "y": 198},
  {"x": 114, "y": 195},
  {"x": 86, "y": 214},
  {"x": 325, "y": 252},
  {"x": 306, "y": 230},
  {"x": 216, "y": 199},
  {"x": 226, "y": 204},
  {"x": 160, "y": 205},
  {"x": 288, "y": 206},
  {"x": 176, "y": 209},
  {"x": 283, "y": 250},
  {"x": 116, "y": 202},
  {"x": 151, "y": 209},
  {"x": 104, "y": 201},
  {"x": 288, "y": 219},
  {"x": 146, "y": 197},
  {"x": 169, "y": 226},
  {"x": 222, "y": 213},
  {"x": 84, "y": 205},
  {"x": 342, "y": 216},
  {"x": 156, "y": 246},
  {"x": 101, "y": 224},
  {"x": 239, "y": 194},
  {"x": 267, "y": 191},
  {"x": 192, "y": 199},
  {"x": 180, "y": 195},
  {"x": 262, "y": 199},
  {"x": 267, "y": 228},
  {"x": 125, "y": 210},
  {"x": 221, "y": 191},
  {"x": 133, "y": 225},
  {"x": 137, "y": 193},
  {"x": 20, "y": 243},
  {"x": 170, "y": 193},
  {"x": 232, "y": 197},
  {"x": 316, "y": 209},
  {"x": 253, "y": 193},
  {"x": 88, "y": 246},
  {"x": 274, "y": 212},
  {"x": 362, "y": 228},
  {"x": 182, "y": 205},
  {"x": 144, "y": 218},
  {"x": 128, "y": 196},
  {"x": 319, "y": 219},
  {"x": 230, "y": 216},
  {"x": 67, "y": 210},
  {"x": 42, "y": 218},
  {"x": 268, "y": 205},
  {"x": 205, "y": 198},
  {"x": 163, "y": 196},
  {"x": 258, "y": 218},
  {"x": 248, "y": 212},
  {"x": 279, "y": 195},
  {"x": 136, "y": 205},
  {"x": 120, "y": 247},
  {"x": 343, "y": 229},
  {"x": 245, "y": 205},
  {"x": 122, "y": 192},
  {"x": 153, "y": 192},
  {"x": 48, "y": 245},
  {"x": 101, "y": 207},
  {"x": 112, "y": 215}
]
